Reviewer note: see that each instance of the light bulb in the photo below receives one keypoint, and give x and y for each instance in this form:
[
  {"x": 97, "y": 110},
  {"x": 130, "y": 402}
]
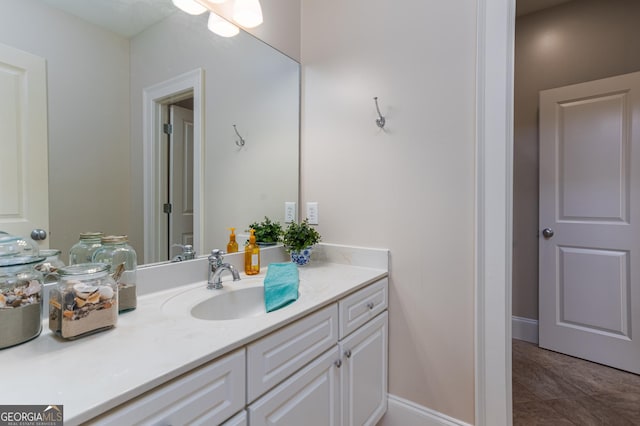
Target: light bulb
[
  {"x": 190, "y": 6},
  {"x": 221, "y": 26},
  {"x": 247, "y": 13}
]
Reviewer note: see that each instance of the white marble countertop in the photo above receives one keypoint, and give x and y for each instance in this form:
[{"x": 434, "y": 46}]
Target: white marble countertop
[{"x": 150, "y": 345}]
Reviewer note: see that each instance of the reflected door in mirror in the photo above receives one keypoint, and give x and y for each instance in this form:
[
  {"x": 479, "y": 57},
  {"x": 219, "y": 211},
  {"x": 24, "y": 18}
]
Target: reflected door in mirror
[{"x": 24, "y": 198}]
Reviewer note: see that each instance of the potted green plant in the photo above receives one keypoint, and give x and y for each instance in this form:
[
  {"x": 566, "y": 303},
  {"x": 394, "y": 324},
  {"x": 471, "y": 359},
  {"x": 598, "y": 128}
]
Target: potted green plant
[
  {"x": 298, "y": 238},
  {"x": 267, "y": 232}
]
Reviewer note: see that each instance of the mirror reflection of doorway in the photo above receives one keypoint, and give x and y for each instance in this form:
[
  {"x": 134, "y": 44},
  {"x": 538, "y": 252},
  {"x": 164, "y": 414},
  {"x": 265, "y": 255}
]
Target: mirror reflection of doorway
[{"x": 178, "y": 171}]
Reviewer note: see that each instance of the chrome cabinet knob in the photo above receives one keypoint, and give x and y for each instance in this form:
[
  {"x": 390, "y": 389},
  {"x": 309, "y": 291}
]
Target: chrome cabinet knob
[
  {"x": 338, "y": 363},
  {"x": 370, "y": 305},
  {"x": 347, "y": 353},
  {"x": 38, "y": 234},
  {"x": 547, "y": 232}
]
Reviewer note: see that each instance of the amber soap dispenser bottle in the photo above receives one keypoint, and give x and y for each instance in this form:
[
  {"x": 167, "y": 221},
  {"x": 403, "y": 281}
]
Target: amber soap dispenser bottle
[
  {"x": 252, "y": 256},
  {"x": 232, "y": 246}
]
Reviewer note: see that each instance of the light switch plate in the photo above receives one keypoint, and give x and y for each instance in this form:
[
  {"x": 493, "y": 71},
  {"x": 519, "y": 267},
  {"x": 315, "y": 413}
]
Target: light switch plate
[
  {"x": 289, "y": 211},
  {"x": 312, "y": 212}
]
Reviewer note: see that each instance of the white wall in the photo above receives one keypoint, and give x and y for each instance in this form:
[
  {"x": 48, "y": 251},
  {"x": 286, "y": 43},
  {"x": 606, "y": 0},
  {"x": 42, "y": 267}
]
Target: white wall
[
  {"x": 572, "y": 43},
  {"x": 409, "y": 188},
  {"x": 88, "y": 122},
  {"x": 245, "y": 83}
]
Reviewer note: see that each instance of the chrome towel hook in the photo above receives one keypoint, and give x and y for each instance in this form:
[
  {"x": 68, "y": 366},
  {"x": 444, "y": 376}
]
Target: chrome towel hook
[
  {"x": 380, "y": 121},
  {"x": 240, "y": 142}
]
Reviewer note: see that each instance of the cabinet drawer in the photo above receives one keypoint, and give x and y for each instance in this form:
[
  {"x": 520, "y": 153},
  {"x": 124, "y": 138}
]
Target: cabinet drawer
[
  {"x": 277, "y": 356},
  {"x": 363, "y": 305},
  {"x": 208, "y": 395}
]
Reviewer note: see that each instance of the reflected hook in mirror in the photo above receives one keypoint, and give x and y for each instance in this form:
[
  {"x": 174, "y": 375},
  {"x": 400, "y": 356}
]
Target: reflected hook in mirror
[
  {"x": 380, "y": 121},
  {"x": 240, "y": 142}
]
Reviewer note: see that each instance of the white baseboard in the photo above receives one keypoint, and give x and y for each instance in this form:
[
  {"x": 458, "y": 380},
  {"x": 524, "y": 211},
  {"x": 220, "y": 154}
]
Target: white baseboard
[
  {"x": 524, "y": 329},
  {"x": 402, "y": 412}
]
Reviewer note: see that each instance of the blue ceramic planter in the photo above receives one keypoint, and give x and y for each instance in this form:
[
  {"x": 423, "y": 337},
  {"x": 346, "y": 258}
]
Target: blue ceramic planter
[{"x": 301, "y": 257}]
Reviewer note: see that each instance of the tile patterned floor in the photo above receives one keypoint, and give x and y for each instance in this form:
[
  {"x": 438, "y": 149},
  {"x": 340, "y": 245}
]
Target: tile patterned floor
[{"x": 552, "y": 389}]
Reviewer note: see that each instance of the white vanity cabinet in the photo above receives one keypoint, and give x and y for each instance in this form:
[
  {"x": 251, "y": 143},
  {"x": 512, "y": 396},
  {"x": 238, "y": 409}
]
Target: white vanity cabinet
[
  {"x": 207, "y": 395},
  {"x": 328, "y": 368},
  {"x": 346, "y": 385}
]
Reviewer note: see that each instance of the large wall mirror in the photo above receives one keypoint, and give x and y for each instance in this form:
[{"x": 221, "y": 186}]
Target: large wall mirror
[{"x": 100, "y": 65}]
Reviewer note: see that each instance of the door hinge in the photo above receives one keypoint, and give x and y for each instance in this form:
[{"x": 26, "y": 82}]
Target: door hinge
[
  {"x": 167, "y": 128},
  {"x": 166, "y": 208}
]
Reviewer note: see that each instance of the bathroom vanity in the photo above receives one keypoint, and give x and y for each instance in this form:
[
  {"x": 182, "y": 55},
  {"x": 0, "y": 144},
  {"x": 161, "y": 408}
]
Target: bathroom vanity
[{"x": 321, "y": 360}]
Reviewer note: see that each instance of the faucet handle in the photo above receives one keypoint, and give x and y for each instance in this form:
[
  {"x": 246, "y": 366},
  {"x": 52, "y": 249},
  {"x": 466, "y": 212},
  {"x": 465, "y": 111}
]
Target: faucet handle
[{"x": 216, "y": 257}]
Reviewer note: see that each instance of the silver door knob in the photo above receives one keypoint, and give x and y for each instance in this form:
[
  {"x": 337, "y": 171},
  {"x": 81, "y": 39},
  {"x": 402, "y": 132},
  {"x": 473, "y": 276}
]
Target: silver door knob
[
  {"x": 38, "y": 234},
  {"x": 547, "y": 232}
]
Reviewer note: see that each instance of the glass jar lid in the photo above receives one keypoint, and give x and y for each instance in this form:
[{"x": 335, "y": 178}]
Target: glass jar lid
[
  {"x": 114, "y": 239},
  {"x": 20, "y": 260},
  {"x": 83, "y": 269},
  {"x": 91, "y": 235},
  {"x": 12, "y": 245}
]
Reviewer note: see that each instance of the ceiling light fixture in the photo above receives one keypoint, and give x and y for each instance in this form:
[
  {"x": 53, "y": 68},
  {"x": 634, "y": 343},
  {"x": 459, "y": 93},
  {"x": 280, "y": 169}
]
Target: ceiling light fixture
[
  {"x": 190, "y": 6},
  {"x": 221, "y": 26},
  {"x": 247, "y": 13}
]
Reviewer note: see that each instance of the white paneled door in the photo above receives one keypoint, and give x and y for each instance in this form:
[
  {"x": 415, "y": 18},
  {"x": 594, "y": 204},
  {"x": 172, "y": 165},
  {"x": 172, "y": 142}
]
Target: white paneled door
[
  {"x": 24, "y": 195},
  {"x": 589, "y": 285},
  {"x": 181, "y": 176}
]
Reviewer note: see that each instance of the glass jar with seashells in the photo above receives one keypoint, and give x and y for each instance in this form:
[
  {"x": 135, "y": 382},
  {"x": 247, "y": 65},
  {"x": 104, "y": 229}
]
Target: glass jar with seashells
[
  {"x": 84, "y": 301},
  {"x": 20, "y": 300},
  {"x": 122, "y": 261}
]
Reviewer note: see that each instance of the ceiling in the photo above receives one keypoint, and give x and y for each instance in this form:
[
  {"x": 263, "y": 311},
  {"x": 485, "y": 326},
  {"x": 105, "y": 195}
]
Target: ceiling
[
  {"x": 524, "y": 7},
  {"x": 124, "y": 17}
]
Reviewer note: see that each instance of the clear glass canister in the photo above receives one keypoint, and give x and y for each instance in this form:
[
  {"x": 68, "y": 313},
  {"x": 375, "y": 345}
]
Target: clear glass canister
[
  {"x": 85, "y": 301},
  {"x": 82, "y": 251},
  {"x": 20, "y": 300},
  {"x": 122, "y": 259}
]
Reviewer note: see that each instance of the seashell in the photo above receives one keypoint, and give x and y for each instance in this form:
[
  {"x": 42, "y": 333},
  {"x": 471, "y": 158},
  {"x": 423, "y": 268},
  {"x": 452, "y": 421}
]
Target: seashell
[
  {"x": 3, "y": 301},
  {"x": 119, "y": 270},
  {"x": 80, "y": 302},
  {"x": 34, "y": 288},
  {"x": 82, "y": 288},
  {"x": 94, "y": 298},
  {"x": 106, "y": 292},
  {"x": 10, "y": 299}
]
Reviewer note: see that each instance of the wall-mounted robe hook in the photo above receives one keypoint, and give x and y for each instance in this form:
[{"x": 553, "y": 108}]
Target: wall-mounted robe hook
[
  {"x": 380, "y": 121},
  {"x": 240, "y": 142}
]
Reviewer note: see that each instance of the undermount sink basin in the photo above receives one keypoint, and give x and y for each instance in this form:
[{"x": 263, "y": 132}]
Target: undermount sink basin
[
  {"x": 239, "y": 303},
  {"x": 237, "y": 300}
]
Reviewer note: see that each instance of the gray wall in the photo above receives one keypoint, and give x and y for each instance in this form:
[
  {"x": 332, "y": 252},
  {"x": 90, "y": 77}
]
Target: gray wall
[{"x": 578, "y": 41}]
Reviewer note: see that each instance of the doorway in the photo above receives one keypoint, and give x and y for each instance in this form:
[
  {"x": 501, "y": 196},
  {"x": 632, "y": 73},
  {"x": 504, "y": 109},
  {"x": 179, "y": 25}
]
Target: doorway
[
  {"x": 574, "y": 42},
  {"x": 156, "y": 101},
  {"x": 177, "y": 171}
]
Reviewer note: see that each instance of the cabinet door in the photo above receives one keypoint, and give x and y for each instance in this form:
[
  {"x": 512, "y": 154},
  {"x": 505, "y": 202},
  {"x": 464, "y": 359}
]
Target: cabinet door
[
  {"x": 309, "y": 397},
  {"x": 239, "y": 419},
  {"x": 363, "y": 375}
]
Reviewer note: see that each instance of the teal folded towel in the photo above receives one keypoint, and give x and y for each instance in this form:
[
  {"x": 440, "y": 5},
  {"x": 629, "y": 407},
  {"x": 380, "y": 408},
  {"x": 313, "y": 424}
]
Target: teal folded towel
[{"x": 280, "y": 285}]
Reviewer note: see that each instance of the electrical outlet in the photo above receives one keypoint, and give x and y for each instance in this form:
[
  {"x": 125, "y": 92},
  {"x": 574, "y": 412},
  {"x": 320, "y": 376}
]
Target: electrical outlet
[
  {"x": 289, "y": 211},
  {"x": 312, "y": 213}
]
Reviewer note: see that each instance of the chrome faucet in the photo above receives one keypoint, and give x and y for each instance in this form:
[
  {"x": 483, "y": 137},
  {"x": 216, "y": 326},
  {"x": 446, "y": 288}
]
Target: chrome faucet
[
  {"x": 216, "y": 268},
  {"x": 187, "y": 253}
]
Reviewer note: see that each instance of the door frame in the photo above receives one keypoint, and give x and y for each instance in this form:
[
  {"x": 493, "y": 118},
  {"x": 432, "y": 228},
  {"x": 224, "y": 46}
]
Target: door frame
[
  {"x": 153, "y": 99},
  {"x": 495, "y": 35}
]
